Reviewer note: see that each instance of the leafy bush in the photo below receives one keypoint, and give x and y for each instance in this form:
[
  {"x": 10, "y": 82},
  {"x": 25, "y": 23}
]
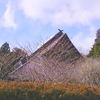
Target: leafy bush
[{"x": 47, "y": 91}]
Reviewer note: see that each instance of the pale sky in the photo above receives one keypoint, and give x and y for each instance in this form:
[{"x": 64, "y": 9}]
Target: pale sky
[{"x": 34, "y": 21}]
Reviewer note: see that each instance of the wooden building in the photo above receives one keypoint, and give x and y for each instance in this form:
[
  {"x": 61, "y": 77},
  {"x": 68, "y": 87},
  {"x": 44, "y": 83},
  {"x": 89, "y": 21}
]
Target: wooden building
[{"x": 50, "y": 61}]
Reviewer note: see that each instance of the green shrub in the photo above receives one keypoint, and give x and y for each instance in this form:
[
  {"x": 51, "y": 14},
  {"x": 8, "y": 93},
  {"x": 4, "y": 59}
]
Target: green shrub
[
  {"x": 34, "y": 95},
  {"x": 95, "y": 51}
]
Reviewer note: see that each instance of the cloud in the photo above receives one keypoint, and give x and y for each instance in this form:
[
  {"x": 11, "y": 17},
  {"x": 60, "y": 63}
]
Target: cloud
[
  {"x": 67, "y": 12},
  {"x": 7, "y": 20},
  {"x": 83, "y": 42}
]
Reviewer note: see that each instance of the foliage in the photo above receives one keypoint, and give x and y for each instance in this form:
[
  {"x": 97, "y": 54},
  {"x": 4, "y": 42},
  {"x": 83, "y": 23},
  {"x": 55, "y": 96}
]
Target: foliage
[
  {"x": 97, "y": 36},
  {"x": 95, "y": 51},
  {"x": 47, "y": 91},
  {"x": 5, "y": 48},
  {"x": 8, "y": 59}
]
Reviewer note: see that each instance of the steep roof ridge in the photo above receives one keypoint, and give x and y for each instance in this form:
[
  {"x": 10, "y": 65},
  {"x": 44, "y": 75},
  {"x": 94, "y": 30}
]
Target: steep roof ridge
[
  {"x": 39, "y": 54},
  {"x": 52, "y": 44},
  {"x": 44, "y": 46}
]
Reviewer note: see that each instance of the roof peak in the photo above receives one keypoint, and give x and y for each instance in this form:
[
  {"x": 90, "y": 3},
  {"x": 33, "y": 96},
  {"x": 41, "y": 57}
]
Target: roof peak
[{"x": 60, "y": 30}]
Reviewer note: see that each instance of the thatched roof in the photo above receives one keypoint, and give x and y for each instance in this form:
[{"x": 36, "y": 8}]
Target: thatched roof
[
  {"x": 50, "y": 60},
  {"x": 60, "y": 48}
]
